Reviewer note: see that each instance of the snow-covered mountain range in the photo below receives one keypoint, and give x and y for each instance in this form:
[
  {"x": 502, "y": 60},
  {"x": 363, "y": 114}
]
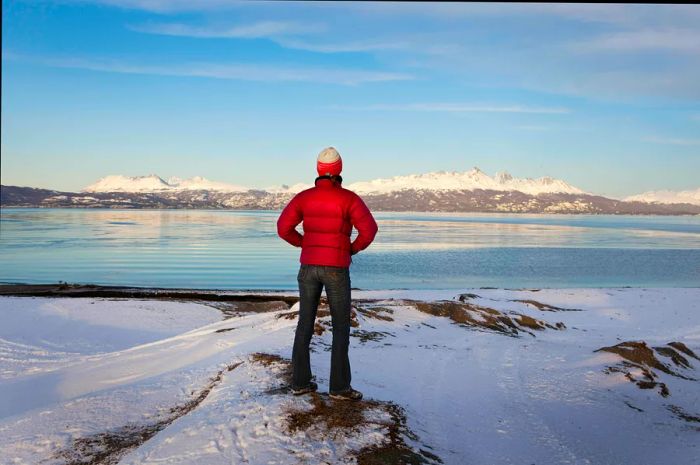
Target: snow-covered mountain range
[
  {"x": 666, "y": 196},
  {"x": 153, "y": 183},
  {"x": 442, "y": 191},
  {"x": 473, "y": 179},
  {"x": 467, "y": 180}
]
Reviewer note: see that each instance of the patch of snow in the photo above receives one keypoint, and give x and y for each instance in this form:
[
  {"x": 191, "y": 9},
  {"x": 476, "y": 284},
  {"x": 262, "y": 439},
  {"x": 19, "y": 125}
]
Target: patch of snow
[
  {"x": 667, "y": 196},
  {"x": 153, "y": 183},
  {"x": 200, "y": 183},
  {"x": 66, "y": 330},
  {"x": 467, "y": 180},
  {"x": 286, "y": 189},
  {"x": 119, "y": 183}
]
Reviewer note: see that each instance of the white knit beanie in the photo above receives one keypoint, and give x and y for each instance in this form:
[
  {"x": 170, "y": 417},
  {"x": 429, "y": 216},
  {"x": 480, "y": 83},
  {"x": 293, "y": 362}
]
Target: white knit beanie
[
  {"x": 329, "y": 162},
  {"x": 328, "y": 155}
]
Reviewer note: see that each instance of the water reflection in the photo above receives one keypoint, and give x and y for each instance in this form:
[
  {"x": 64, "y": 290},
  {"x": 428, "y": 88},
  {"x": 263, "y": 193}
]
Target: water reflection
[{"x": 227, "y": 249}]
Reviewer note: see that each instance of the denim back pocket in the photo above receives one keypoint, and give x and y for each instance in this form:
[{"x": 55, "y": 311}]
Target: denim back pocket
[
  {"x": 337, "y": 274},
  {"x": 303, "y": 269}
]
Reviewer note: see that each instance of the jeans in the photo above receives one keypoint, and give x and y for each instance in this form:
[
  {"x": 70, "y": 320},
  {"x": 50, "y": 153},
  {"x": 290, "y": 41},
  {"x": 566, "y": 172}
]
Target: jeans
[{"x": 312, "y": 279}]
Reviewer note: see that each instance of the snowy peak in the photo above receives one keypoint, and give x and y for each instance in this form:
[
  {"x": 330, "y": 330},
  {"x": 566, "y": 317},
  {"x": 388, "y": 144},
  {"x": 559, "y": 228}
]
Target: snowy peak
[
  {"x": 153, "y": 183},
  {"x": 435, "y": 181},
  {"x": 468, "y": 180},
  {"x": 119, "y": 183},
  {"x": 503, "y": 177},
  {"x": 199, "y": 183},
  {"x": 666, "y": 196},
  {"x": 287, "y": 189}
]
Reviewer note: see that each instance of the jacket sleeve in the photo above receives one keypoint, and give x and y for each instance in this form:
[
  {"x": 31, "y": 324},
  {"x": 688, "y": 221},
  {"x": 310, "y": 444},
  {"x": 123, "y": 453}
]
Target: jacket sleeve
[
  {"x": 363, "y": 221},
  {"x": 290, "y": 217}
]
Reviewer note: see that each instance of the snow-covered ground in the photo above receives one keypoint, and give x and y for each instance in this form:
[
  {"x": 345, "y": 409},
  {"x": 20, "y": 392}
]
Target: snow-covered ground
[{"x": 489, "y": 379}]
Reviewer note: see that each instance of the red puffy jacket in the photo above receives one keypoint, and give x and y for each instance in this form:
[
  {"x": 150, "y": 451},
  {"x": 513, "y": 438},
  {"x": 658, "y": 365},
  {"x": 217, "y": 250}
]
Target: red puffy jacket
[{"x": 329, "y": 213}]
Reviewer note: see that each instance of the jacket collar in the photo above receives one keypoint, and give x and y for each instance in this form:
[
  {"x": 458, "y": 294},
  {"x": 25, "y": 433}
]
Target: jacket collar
[{"x": 328, "y": 181}]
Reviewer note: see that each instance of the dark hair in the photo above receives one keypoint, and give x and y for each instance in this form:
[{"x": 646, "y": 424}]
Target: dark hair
[{"x": 333, "y": 177}]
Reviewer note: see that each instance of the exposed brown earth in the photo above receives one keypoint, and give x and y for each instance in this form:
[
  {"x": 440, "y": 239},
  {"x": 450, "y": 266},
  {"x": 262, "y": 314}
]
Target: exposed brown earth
[
  {"x": 546, "y": 307},
  {"x": 341, "y": 418},
  {"x": 638, "y": 352},
  {"x": 324, "y": 323},
  {"x": 365, "y": 336},
  {"x": 267, "y": 360},
  {"x": 323, "y": 318},
  {"x": 376, "y": 312},
  {"x": 476, "y": 316},
  {"x": 538, "y": 305},
  {"x": 338, "y": 418},
  {"x": 227, "y": 303},
  {"x": 108, "y": 447},
  {"x": 647, "y": 381},
  {"x": 683, "y": 348},
  {"x": 638, "y": 356},
  {"x": 281, "y": 366},
  {"x": 238, "y": 308},
  {"x": 683, "y": 415}
]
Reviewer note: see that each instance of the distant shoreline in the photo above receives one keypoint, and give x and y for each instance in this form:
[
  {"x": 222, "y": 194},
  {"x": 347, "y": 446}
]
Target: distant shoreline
[
  {"x": 406, "y": 200},
  {"x": 408, "y": 212},
  {"x": 262, "y": 296},
  {"x": 95, "y": 290}
]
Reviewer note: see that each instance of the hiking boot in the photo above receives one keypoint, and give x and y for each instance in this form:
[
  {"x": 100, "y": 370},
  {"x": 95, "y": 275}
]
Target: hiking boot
[
  {"x": 348, "y": 394},
  {"x": 311, "y": 387}
]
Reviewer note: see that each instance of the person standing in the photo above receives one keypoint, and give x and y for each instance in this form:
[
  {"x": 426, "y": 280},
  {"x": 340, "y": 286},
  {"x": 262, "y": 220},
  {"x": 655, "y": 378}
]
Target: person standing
[{"x": 328, "y": 212}]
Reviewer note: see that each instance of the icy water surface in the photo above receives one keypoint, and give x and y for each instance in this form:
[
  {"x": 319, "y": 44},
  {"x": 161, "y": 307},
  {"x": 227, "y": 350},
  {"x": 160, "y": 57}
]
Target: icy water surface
[{"x": 241, "y": 250}]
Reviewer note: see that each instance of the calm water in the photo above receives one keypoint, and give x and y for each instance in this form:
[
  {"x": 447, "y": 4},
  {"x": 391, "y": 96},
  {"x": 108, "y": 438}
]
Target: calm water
[{"x": 241, "y": 250}]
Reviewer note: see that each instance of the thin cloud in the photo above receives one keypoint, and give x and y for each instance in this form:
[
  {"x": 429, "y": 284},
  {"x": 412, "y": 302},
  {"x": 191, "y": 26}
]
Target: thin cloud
[
  {"x": 593, "y": 13},
  {"x": 167, "y": 6},
  {"x": 513, "y": 45},
  {"x": 280, "y": 32},
  {"x": 607, "y": 13},
  {"x": 457, "y": 108},
  {"x": 233, "y": 71},
  {"x": 625, "y": 85},
  {"x": 672, "y": 141},
  {"x": 678, "y": 40},
  {"x": 583, "y": 12},
  {"x": 339, "y": 47},
  {"x": 533, "y": 128},
  {"x": 261, "y": 29}
]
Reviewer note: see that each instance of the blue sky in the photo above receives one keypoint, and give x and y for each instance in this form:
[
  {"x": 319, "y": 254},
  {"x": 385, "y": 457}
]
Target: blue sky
[{"x": 606, "y": 97}]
